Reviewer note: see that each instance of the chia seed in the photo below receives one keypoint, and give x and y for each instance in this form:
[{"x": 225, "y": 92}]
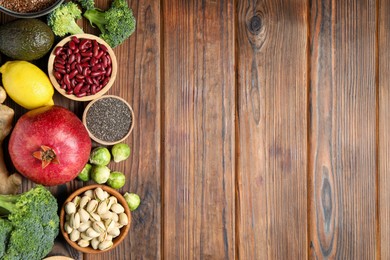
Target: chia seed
[
  {"x": 23, "y": 6},
  {"x": 109, "y": 119}
]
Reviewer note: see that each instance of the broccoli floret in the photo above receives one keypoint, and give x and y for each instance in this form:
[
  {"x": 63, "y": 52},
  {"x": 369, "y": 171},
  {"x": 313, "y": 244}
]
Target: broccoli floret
[
  {"x": 63, "y": 19},
  {"x": 87, "y": 4},
  {"x": 34, "y": 224},
  {"x": 5, "y": 229},
  {"x": 116, "y": 24}
]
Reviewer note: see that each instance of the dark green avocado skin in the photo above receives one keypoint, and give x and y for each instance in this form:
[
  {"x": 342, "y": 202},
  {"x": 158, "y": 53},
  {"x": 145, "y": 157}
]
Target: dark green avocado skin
[{"x": 25, "y": 39}]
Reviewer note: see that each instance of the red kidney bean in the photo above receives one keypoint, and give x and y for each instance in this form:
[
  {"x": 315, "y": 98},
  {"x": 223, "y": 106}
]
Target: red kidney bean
[
  {"x": 72, "y": 45},
  {"x": 86, "y": 71},
  {"x": 66, "y": 79},
  {"x": 95, "y": 51},
  {"x": 73, "y": 73},
  {"x": 75, "y": 39},
  {"x": 57, "y": 75},
  {"x": 78, "y": 87},
  {"x": 71, "y": 58},
  {"x": 68, "y": 52},
  {"x": 57, "y": 51},
  {"x": 103, "y": 47},
  {"x": 105, "y": 81},
  {"x": 73, "y": 65},
  {"x": 59, "y": 60},
  {"x": 86, "y": 54},
  {"x": 63, "y": 86},
  {"x": 96, "y": 67},
  {"x": 81, "y": 94},
  {"x": 69, "y": 92},
  {"x": 84, "y": 60},
  {"x": 83, "y": 44},
  {"x": 79, "y": 76},
  {"x": 89, "y": 80},
  {"x": 59, "y": 65},
  {"x": 78, "y": 57},
  {"x": 79, "y": 68},
  {"x": 108, "y": 59},
  {"x": 108, "y": 71},
  {"x": 100, "y": 54},
  {"x": 104, "y": 61},
  {"x": 84, "y": 64},
  {"x": 62, "y": 71},
  {"x": 96, "y": 73},
  {"x": 73, "y": 83}
]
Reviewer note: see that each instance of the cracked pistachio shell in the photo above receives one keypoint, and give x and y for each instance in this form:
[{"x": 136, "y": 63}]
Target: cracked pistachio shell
[
  {"x": 89, "y": 193},
  {"x": 92, "y": 206},
  {"x": 95, "y": 243},
  {"x": 106, "y": 215},
  {"x": 68, "y": 229},
  {"x": 84, "y": 201},
  {"x": 95, "y": 217},
  {"x": 84, "y": 226},
  {"x": 70, "y": 208},
  {"x": 99, "y": 227},
  {"x": 74, "y": 220},
  {"x": 76, "y": 201},
  {"x": 105, "y": 245},
  {"x": 117, "y": 208},
  {"x": 84, "y": 215},
  {"x": 114, "y": 231},
  {"x": 92, "y": 233},
  {"x": 74, "y": 235},
  {"x": 85, "y": 237},
  {"x": 83, "y": 243},
  {"x": 99, "y": 194},
  {"x": 123, "y": 219}
]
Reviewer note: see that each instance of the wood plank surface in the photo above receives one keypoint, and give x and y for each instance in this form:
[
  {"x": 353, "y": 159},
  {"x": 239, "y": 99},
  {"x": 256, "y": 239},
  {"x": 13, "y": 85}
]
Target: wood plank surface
[
  {"x": 384, "y": 129},
  {"x": 342, "y": 165},
  {"x": 199, "y": 158},
  {"x": 272, "y": 93}
]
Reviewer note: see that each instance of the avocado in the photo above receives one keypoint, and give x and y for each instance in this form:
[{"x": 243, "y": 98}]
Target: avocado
[{"x": 25, "y": 39}]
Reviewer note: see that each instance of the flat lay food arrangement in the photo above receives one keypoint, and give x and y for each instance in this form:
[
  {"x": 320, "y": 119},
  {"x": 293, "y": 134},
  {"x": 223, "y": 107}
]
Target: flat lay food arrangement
[{"x": 45, "y": 56}]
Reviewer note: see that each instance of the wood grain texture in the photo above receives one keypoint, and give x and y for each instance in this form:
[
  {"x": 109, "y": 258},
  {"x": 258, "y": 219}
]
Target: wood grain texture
[
  {"x": 384, "y": 129},
  {"x": 199, "y": 159},
  {"x": 272, "y": 129},
  {"x": 342, "y": 163}
]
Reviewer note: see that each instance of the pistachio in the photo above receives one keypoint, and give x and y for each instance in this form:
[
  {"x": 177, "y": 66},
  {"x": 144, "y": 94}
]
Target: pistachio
[
  {"x": 123, "y": 219},
  {"x": 98, "y": 227},
  {"x": 106, "y": 215},
  {"x": 85, "y": 236},
  {"x": 117, "y": 208},
  {"x": 114, "y": 231},
  {"x": 92, "y": 233},
  {"x": 84, "y": 201},
  {"x": 102, "y": 237},
  {"x": 74, "y": 235},
  {"x": 92, "y": 206},
  {"x": 83, "y": 243},
  {"x": 99, "y": 194},
  {"x": 70, "y": 207},
  {"x": 84, "y": 226},
  {"x": 102, "y": 208},
  {"x": 109, "y": 237},
  {"x": 76, "y": 201},
  {"x": 89, "y": 193},
  {"x": 111, "y": 200},
  {"x": 109, "y": 223},
  {"x": 105, "y": 245},
  {"x": 95, "y": 217},
  {"x": 84, "y": 216},
  {"x": 74, "y": 220},
  {"x": 95, "y": 243},
  {"x": 68, "y": 229},
  {"x": 115, "y": 217}
]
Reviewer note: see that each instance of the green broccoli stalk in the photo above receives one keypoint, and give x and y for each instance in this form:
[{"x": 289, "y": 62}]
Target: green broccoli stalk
[
  {"x": 63, "y": 19},
  {"x": 116, "y": 24},
  {"x": 31, "y": 224}
]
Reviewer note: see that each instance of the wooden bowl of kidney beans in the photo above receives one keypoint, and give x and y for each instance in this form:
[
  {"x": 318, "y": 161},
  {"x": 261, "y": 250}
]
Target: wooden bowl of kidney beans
[{"x": 82, "y": 67}]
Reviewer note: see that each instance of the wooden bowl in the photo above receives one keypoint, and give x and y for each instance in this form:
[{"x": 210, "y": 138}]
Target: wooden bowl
[
  {"x": 57, "y": 86},
  {"x": 97, "y": 139},
  {"x": 116, "y": 241},
  {"x": 31, "y": 14}
]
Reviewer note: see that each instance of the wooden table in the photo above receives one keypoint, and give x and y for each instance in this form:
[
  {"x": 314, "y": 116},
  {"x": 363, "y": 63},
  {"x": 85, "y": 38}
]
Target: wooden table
[{"x": 262, "y": 130}]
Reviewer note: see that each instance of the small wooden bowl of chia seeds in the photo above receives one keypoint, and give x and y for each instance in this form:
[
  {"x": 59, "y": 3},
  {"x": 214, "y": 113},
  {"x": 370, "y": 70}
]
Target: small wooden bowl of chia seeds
[{"x": 108, "y": 119}]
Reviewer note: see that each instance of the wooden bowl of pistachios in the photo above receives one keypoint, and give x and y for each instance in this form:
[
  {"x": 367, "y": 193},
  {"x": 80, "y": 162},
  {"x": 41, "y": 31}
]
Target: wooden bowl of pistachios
[{"x": 95, "y": 219}]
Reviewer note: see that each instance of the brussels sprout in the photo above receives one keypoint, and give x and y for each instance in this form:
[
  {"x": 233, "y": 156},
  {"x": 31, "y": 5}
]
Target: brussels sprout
[
  {"x": 100, "y": 173},
  {"x": 100, "y": 156},
  {"x": 85, "y": 174},
  {"x": 116, "y": 180},
  {"x": 133, "y": 200},
  {"x": 120, "y": 152}
]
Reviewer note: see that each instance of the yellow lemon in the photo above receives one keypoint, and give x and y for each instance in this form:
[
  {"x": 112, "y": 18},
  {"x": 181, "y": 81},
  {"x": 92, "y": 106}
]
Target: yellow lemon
[{"x": 26, "y": 84}]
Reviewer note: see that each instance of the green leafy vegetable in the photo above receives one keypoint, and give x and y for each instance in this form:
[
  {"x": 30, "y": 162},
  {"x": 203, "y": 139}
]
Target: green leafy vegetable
[
  {"x": 29, "y": 223},
  {"x": 63, "y": 19},
  {"x": 115, "y": 24}
]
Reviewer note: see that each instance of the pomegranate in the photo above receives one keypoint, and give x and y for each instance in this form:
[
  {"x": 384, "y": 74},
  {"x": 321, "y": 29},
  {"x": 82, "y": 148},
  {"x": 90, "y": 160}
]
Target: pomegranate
[{"x": 49, "y": 145}]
